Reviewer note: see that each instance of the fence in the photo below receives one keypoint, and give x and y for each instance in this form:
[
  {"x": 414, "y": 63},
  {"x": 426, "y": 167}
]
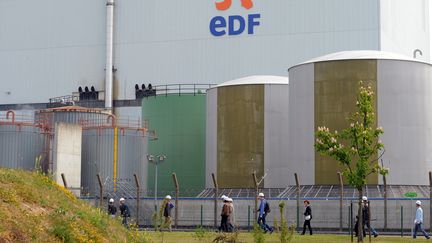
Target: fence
[{"x": 193, "y": 212}]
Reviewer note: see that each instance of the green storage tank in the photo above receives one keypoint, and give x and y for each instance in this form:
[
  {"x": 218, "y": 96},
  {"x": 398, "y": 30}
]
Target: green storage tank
[{"x": 179, "y": 120}]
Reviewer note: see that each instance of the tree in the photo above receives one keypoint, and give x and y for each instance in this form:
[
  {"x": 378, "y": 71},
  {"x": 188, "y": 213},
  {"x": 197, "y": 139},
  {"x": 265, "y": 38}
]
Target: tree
[{"x": 356, "y": 147}]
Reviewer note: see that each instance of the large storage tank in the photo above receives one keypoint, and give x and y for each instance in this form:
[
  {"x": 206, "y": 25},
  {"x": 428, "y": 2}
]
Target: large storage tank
[
  {"x": 21, "y": 142},
  {"x": 116, "y": 154},
  {"x": 247, "y": 121},
  {"x": 178, "y": 115},
  {"x": 323, "y": 92}
]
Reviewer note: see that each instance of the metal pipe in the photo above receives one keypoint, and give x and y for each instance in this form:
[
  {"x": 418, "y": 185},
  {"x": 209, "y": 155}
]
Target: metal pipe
[
  {"x": 13, "y": 115},
  {"x": 113, "y": 120},
  {"x": 417, "y": 51},
  {"x": 109, "y": 54}
]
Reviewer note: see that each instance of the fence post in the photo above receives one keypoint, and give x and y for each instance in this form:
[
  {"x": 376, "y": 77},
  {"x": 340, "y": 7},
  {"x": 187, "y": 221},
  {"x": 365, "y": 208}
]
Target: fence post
[
  {"x": 216, "y": 194},
  {"x": 100, "y": 189},
  {"x": 402, "y": 234},
  {"x": 298, "y": 200},
  {"x": 430, "y": 200},
  {"x": 370, "y": 237},
  {"x": 176, "y": 184},
  {"x": 249, "y": 218},
  {"x": 64, "y": 180},
  {"x": 341, "y": 201},
  {"x": 385, "y": 202},
  {"x": 137, "y": 198},
  {"x": 351, "y": 221},
  {"x": 256, "y": 194},
  {"x": 201, "y": 215}
]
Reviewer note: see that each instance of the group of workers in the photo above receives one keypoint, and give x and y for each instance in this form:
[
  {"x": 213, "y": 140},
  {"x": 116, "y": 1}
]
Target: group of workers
[
  {"x": 228, "y": 216},
  {"x": 125, "y": 212}
]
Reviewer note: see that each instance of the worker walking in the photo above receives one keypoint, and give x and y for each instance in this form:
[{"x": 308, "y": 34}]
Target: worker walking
[
  {"x": 167, "y": 212},
  {"x": 366, "y": 218},
  {"x": 231, "y": 220},
  {"x": 307, "y": 217},
  {"x": 263, "y": 210},
  {"x": 124, "y": 212},
  {"x": 226, "y": 211},
  {"x": 418, "y": 221},
  {"x": 112, "y": 209}
]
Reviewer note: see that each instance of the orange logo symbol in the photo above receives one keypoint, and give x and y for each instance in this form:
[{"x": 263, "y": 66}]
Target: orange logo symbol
[{"x": 226, "y": 4}]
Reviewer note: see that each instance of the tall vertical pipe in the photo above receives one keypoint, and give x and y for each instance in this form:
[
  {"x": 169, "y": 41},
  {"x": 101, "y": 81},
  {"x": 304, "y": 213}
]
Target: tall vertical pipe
[{"x": 109, "y": 55}]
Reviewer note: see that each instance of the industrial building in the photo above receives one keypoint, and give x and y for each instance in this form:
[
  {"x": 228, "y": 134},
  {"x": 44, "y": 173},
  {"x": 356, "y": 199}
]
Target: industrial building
[{"x": 50, "y": 48}]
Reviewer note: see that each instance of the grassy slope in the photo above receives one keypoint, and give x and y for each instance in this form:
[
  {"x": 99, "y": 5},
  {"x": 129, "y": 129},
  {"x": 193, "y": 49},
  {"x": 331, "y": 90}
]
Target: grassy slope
[
  {"x": 35, "y": 209},
  {"x": 245, "y": 237}
]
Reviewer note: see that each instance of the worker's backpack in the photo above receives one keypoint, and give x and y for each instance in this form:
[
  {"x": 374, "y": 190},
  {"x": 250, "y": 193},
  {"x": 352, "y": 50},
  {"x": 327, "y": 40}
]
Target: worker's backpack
[{"x": 267, "y": 208}]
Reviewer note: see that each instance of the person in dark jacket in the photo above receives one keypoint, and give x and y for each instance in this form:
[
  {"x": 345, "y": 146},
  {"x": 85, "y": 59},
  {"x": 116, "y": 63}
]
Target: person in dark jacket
[
  {"x": 167, "y": 212},
  {"x": 366, "y": 218},
  {"x": 124, "y": 212},
  {"x": 307, "y": 217},
  {"x": 112, "y": 209}
]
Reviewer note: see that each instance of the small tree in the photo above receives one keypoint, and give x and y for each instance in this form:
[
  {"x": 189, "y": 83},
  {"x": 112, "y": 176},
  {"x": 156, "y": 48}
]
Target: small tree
[{"x": 356, "y": 147}]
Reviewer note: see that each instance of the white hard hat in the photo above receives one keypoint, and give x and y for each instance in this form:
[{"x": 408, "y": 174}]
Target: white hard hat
[
  {"x": 168, "y": 197},
  {"x": 111, "y": 200},
  {"x": 418, "y": 203},
  {"x": 122, "y": 199},
  {"x": 224, "y": 197},
  {"x": 261, "y": 194},
  {"x": 364, "y": 198},
  {"x": 229, "y": 199}
]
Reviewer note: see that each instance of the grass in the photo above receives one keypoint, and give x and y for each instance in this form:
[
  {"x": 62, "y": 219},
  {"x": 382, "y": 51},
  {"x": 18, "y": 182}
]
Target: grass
[
  {"x": 188, "y": 237},
  {"x": 33, "y": 208}
]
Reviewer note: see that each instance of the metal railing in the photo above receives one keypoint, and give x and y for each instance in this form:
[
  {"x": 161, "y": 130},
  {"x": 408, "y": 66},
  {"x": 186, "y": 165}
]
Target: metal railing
[{"x": 182, "y": 89}]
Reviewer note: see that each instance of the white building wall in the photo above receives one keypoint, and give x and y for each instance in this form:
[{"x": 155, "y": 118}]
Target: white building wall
[
  {"x": 404, "y": 98},
  {"x": 276, "y": 120},
  {"x": 67, "y": 155},
  {"x": 301, "y": 153},
  {"x": 405, "y": 27},
  {"x": 48, "y": 48}
]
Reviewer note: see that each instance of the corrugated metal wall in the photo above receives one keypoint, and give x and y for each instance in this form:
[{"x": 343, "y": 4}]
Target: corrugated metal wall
[
  {"x": 98, "y": 157},
  {"x": 20, "y": 145}
]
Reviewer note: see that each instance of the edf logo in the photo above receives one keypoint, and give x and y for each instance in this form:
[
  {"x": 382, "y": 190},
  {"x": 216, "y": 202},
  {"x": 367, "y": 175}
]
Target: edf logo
[{"x": 235, "y": 24}]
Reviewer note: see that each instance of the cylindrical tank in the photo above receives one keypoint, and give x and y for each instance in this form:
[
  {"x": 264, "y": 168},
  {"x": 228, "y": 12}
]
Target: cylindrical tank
[
  {"x": 21, "y": 143},
  {"x": 323, "y": 92},
  {"x": 179, "y": 119},
  {"x": 72, "y": 114},
  {"x": 247, "y": 132},
  {"x": 116, "y": 154}
]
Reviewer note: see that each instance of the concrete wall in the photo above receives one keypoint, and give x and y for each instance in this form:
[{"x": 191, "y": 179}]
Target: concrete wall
[{"x": 67, "y": 155}]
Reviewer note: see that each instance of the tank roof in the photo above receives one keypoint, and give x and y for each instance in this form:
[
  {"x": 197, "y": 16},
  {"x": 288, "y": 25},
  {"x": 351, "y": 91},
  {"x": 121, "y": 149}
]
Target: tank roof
[
  {"x": 361, "y": 55},
  {"x": 257, "y": 79}
]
